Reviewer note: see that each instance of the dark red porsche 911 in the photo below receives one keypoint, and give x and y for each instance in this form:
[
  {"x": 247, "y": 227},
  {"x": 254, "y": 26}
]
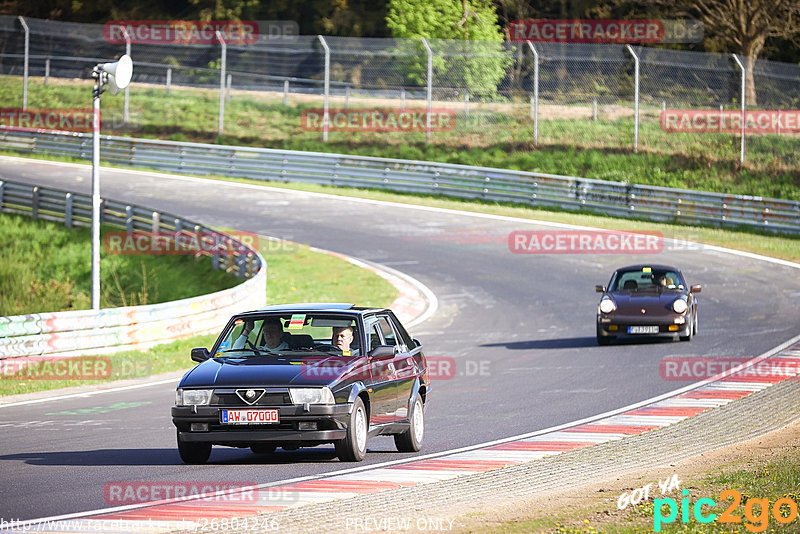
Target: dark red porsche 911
[{"x": 647, "y": 300}]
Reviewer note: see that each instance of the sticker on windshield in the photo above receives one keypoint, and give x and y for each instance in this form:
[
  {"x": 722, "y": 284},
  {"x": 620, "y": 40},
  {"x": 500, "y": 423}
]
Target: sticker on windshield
[
  {"x": 647, "y": 270},
  {"x": 297, "y": 321},
  {"x": 345, "y": 353},
  {"x": 224, "y": 345},
  {"x": 237, "y": 322}
]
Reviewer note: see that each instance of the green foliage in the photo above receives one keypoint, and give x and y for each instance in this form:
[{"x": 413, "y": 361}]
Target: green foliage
[{"x": 465, "y": 39}]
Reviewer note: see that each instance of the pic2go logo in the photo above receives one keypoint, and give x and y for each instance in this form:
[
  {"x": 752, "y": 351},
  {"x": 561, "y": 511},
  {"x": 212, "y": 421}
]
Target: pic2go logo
[{"x": 784, "y": 510}]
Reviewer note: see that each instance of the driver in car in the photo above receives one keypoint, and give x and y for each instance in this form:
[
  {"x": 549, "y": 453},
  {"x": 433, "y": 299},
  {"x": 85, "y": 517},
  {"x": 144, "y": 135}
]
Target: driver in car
[
  {"x": 342, "y": 338},
  {"x": 271, "y": 334}
]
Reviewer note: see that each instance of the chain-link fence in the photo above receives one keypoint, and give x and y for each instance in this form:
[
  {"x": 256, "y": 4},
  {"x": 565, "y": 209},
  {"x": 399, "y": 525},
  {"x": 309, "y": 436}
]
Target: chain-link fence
[{"x": 479, "y": 94}]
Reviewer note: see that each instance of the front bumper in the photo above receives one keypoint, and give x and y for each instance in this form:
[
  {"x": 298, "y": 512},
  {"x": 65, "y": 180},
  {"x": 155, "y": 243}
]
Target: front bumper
[
  {"x": 618, "y": 325},
  {"x": 331, "y": 420}
]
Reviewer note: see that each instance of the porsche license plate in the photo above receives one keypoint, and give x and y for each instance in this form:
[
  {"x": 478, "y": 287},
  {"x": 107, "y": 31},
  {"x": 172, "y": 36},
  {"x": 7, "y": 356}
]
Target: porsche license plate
[
  {"x": 643, "y": 329},
  {"x": 248, "y": 417}
]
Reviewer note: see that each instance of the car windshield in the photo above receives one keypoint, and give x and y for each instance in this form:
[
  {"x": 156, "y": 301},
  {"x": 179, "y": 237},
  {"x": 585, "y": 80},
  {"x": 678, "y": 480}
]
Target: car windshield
[
  {"x": 290, "y": 334},
  {"x": 647, "y": 279}
]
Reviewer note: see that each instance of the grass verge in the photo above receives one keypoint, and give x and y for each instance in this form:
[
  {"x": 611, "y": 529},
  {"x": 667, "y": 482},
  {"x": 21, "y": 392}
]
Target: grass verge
[
  {"x": 296, "y": 274},
  {"x": 46, "y": 267},
  {"x": 491, "y": 135}
]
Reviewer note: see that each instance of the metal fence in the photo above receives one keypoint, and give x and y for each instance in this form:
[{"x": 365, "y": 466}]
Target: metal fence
[
  {"x": 84, "y": 332},
  {"x": 459, "y": 181},
  {"x": 562, "y": 94}
]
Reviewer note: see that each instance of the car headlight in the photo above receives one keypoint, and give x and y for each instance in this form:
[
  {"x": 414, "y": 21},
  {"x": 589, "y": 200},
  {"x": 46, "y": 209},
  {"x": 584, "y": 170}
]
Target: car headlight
[
  {"x": 679, "y": 306},
  {"x": 607, "y": 306},
  {"x": 193, "y": 397},
  {"x": 311, "y": 395}
]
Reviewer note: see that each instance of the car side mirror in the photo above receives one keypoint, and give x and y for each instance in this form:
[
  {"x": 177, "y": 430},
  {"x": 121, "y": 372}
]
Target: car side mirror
[
  {"x": 416, "y": 341},
  {"x": 696, "y": 289},
  {"x": 200, "y": 354},
  {"x": 600, "y": 289},
  {"x": 383, "y": 352}
]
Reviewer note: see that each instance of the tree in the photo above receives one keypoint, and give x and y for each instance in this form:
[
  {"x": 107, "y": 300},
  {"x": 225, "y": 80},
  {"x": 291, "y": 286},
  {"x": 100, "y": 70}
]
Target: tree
[
  {"x": 744, "y": 26},
  {"x": 468, "y": 48}
]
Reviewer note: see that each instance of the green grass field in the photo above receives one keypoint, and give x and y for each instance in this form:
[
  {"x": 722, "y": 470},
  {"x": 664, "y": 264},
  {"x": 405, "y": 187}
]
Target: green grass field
[
  {"x": 47, "y": 267},
  {"x": 599, "y": 149}
]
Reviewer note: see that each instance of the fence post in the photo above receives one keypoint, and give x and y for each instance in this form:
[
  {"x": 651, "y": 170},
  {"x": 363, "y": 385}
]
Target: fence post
[
  {"x": 741, "y": 66},
  {"x": 228, "y": 92},
  {"x": 223, "y": 58},
  {"x": 35, "y": 205},
  {"x": 47, "y": 71},
  {"x": 326, "y": 88},
  {"x": 466, "y": 103},
  {"x": 594, "y": 109},
  {"x": 25, "y": 67},
  {"x": 68, "y": 210},
  {"x": 126, "y": 105},
  {"x": 169, "y": 79},
  {"x": 430, "y": 88},
  {"x": 635, "y": 98},
  {"x": 535, "y": 115},
  {"x": 128, "y": 219},
  {"x": 156, "y": 227},
  {"x": 286, "y": 92}
]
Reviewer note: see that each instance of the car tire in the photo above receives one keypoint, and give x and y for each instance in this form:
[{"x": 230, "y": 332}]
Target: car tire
[
  {"x": 263, "y": 448},
  {"x": 193, "y": 453},
  {"x": 601, "y": 339},
  {"x": 353, "y": 448},
  {"x": 691, "y": 329},
  {"x": 695, "y": 324},
  {"x": 411, "y": 439}
]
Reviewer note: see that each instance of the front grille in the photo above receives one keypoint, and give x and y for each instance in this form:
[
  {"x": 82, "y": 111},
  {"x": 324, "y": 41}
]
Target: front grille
[{"x": 268, "y": 399}]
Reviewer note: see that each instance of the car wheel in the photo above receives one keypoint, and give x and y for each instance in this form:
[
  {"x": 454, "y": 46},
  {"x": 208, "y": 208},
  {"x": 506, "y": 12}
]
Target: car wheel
[
  {"x": 193, "y": 453},
  {"x": 411, "y": 439},
  {"x": 601, "y": 339},
  {"x": 691, "y": 329},
  {"x": 353, "y": 448},
  {"x": 263, "y": 448}
]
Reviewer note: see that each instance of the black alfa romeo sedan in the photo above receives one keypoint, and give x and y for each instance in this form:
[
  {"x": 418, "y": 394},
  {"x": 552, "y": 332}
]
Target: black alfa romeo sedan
[{"x": 300, "y": 375}]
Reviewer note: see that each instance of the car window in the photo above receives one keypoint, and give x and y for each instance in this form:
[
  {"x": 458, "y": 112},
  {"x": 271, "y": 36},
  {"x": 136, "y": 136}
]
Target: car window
[
  {"x": 401, "y": 332},
  {"x": 374, "y": 337},
  {"x": 389, "y": 335},
  {"x": 647, "y": 279},
  {"x": 285, "y": 332}
]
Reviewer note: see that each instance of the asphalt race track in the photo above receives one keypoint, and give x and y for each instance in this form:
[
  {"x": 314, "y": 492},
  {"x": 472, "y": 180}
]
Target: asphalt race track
[{"x": 520, "y": 328}]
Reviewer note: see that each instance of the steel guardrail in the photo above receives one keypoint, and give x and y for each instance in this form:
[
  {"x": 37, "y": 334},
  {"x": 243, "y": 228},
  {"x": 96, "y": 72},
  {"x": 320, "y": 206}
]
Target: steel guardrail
[
  {"x": 84, "y": 332},
  {"x": 539, "y": 190}
]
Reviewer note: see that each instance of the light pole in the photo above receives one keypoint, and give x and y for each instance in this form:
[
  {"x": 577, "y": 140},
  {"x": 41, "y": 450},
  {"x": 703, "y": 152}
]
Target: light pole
[{"x": 117, "y": 76}]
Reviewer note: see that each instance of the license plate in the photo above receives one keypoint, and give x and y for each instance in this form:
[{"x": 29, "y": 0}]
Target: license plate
[
  {"x": 643, "y": 329},
  {"x": 248, "y": 417}
]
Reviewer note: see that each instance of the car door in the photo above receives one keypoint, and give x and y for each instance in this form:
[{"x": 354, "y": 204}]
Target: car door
[
  {"x": 404, "y": 368},
  {"x": 382, "y": 380}
]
